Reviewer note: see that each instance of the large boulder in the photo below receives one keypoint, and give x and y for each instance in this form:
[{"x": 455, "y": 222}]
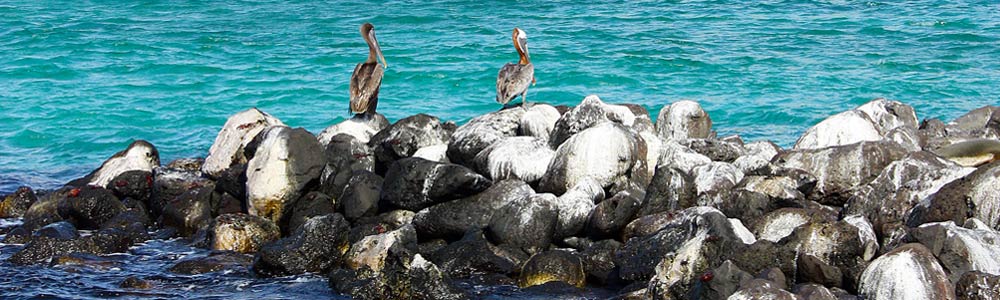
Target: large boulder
[
  {"x": 962, "y": 249},
  {"x": 610, "y": 216},
  {"x": 527, "y": 223},
  {"x": 374, "y": 251},
  {"x": 576, "y": 205},
  {"x": 683, "y": 120},
  {"x": 609, "y": 153},
  {"x": 716, "y": 149},
  {"x": 539, "y": 121},
  {"x": 888, "y": 198},
  {"x": 345, "y": 155},
  {"x": 473, "y": 254},
  {"x": 671, "y": 189},
  {"x": 90, "y": 207},
  {"x": 313, "y": 204},
  {"x": 361, "y": 127},
  {"x": 190, "y": 211},
  {"x": 416, "y": 183},
  {"x": 972, "y": 196},
  {"x": 840, "y": 169},
  {"x": 714, "y": 183},
  {"x": 908, "y": 272},
  {"x": 524, "y": 158},
  {"x": 41, "y": 249},
  {"x": 589, "y": 113},
  {"x": 241, "y": 233},
  {"x": 317, "y": 246},
  {"x": 452, "y": 219},
  {"x": 832, "y": 254},
  {"x": 481, "y": 132},
  {"x": 239, "y": 130},
  {"x": 139, "y": 156},
  {"x": 361, "y": 195},
  {"x": 285, "y": 162},
  {"x": 403, "y": 138},
  {"x": 845, "y": 128}
]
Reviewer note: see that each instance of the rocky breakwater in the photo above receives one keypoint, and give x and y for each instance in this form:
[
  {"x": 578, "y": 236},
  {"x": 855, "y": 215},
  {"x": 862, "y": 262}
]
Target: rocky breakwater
[{"x": 869, "y": 204}]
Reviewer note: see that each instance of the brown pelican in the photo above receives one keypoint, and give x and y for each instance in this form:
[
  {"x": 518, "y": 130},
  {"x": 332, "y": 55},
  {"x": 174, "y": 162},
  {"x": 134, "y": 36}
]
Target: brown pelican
[
  {"x": 367, "y": 76},
  {"x": 514, "y": 79}
]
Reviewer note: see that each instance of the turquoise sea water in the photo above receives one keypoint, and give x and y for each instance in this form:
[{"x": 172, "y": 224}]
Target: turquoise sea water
[{"x": 79, "y": 80}]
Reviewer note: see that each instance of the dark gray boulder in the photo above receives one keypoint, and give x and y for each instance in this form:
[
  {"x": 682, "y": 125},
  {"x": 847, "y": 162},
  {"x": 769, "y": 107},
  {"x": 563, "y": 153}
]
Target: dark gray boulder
[
  {"x": 361, "y": 195},
  {"x": 670, "y": 189},
  {"x": 840, "y": 169},
  {"x": 416, "y": 183},
  {"x": 972, "y": 196},
  {"x": 16, "y": 204},
  {"x": 311, "y": 205},
  {"x": 452, "y": 219},
  {"x": 403, "y": 138},
  {"x": 90, "y": 207},
  {"x": 317, "y": 246},
  {"x": 473, "y": 254}
]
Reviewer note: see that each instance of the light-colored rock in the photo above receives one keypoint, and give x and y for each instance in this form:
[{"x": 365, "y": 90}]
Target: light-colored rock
[
  {"x": 238, "y": 131},
  {"x": 438, "y": 153},
  {"x": 575, "y": 206},
  {"x": 242, "y": 233},
  {"x": 139, "y": 156},
  {"x": 521, "y": 157},
  {"x": 589, "y": 113},
  {"x": 681, "y": 157},
  {"x": 481, "y": 132},
  {"x": 714, "y": 181},
  {"x": 286, "y": 160},
  {"x": 888, "y": 115},
  {"x": 683, "y": 120},
  {"x": 909, "y": 272},
  {"x": 780, "y": 223},
  {"x": 961, "y": 249},
  {"x": 360, "y": 127},
  {"x": 845, "y": 128},
  {"x": 539, "y": 121},
  {"x": 840, "y": 169},
  {"x": 372, "y": 250},
  {"x": 607, "y": 152},
  {"x": 742, "y": 232}
]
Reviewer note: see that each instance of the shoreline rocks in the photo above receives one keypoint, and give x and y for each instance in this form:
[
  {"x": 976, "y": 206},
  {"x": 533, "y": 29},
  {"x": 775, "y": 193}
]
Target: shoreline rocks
[{"x": 869, "y": 203}]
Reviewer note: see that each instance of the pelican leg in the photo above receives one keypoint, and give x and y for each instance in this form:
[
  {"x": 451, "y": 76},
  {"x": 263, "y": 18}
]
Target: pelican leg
[{"x": 524, "y": 98}]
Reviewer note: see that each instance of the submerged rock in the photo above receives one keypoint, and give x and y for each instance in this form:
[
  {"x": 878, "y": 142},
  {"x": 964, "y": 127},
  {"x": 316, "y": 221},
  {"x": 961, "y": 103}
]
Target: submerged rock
[
  {"x": 214, "y": 262},
  {"x": 239, "y": 130},
  {"x": 41, "y": 249},
  {"x": 683, "y": 120},
  {"x": 242, "y": 233},
  {"x": 285, "y": 162},
  {"x": 908, "y": 272},
  {"x": 361, "y": 127},
  {"x": 416, "y": 183}
]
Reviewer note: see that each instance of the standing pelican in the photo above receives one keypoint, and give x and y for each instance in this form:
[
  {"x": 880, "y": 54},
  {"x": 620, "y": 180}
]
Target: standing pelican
[
  {"x": 367, "y": 76},
  {"x": 514, "y": 79}
]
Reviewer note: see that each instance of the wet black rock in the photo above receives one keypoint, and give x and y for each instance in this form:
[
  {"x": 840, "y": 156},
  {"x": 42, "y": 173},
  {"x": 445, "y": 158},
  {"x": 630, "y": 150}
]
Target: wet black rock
[
  {"x": 610, "y": 217},
  {"x": 90, "y": 208},
  {"x": 416, "y": 183},
  {"x": 136, "y": 184},
  {"x": 16, "y": 204},
  {"x": 214, "y": 262},
  {"x": 404, "y": 137},
  {"x": 59, "y": 230},
  {"x": 452, "y": 219},
  {"x": 361, "y": 195},
  {"x": 317, "y": 246},
  {"x": 473, "y": 254},
  {"x": 599, "y": 261},
  {"x": 40, "y": 248},
  {"x": 308, "y": 206},
  {"x": 189, "y": 211},
  {"x": 168, "y": 184}
]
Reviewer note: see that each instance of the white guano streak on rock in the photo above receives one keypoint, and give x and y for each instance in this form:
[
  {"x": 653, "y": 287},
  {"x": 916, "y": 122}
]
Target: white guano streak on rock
[
  {"x": 777, "y": 228},
  {"x": 432, "y": 176},
  {"x": 896, "y": 276},
  {"x": 845, "y": 128},
  {"x": 135, "y": 159},
  {"x": 742, "y": 232},
  {"x": 238, "y": 131},
  {"x": 433, "y": 153}
]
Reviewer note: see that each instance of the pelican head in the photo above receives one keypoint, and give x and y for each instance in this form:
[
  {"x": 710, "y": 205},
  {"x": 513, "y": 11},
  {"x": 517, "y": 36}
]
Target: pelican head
[
  {"x": 368, "y": 33},
  {"x": 521, "y": 44}
]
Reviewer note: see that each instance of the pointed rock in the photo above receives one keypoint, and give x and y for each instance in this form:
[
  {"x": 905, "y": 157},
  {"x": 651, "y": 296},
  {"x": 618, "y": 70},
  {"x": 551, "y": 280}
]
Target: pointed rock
[{"x": 238, "y": 131}]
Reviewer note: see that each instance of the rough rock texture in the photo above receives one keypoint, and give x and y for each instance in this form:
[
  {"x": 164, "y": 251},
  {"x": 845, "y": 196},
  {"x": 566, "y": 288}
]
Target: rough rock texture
[
  {"x": 481, "y": 132},
  {"x": 416, "y": 183},
  {"x": 241, "y": 233},
  {"x": 575, "y": 207},
  {"x": 714, "y": 149},
  {"x": 90, "y": 208},
  {"x": 311, "y": 205},
  {"x": 974, "y": 195},
  {"x": 714, "y": 183},
  {"x": 780, "y": 223},
  {"x": 978, "y": 286},
  {"x": 360, "y": 127},
  {"x": 609, "y": 153},
  {"x": 675, "y": 155},
  {"x": 361, "y": 195},
  {"x": 16, "y": 204},
  {"x": 683, "y": 120},
  {"x": 41, "y": 249},
  {"x": 403, "y": 276},
  {"x": 610, "y": 217},
  {"x": 317, "y": 246},
  {"x": 452, "y": 219},
  {"x": 136, "y": 184},
  {"x": 841, "y": 168},
  {"x": 908, "y": 272},
  {"x": 832, "y": 254},
  {"x": 406, "y": 136},
  {"x": 553, "y": 265},
  {"x": 473, "y": 254},
  {"x": 345, "y": 155},
  {"x": 961, "y": 249},
  {"x": 238, "y": 131},
  {"x": 589, "y": 113},
  {"x": 524, "y": 158},
  {"x": 671, "y": 189},
  {"x": 215, "y": 262},
  {"x": 189, "y": 211},
  {"x": 372, "y": 251},
  {"x": 285, "y": 162},
  {"x": 888, "y": 198},
  {"x": 527, "y": 223},
  {"x": 539, "y": 121}
]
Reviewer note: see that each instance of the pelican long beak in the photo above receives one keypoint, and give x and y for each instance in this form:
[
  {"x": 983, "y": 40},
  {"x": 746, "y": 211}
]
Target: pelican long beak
[{"x": 378, "y": 49}]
